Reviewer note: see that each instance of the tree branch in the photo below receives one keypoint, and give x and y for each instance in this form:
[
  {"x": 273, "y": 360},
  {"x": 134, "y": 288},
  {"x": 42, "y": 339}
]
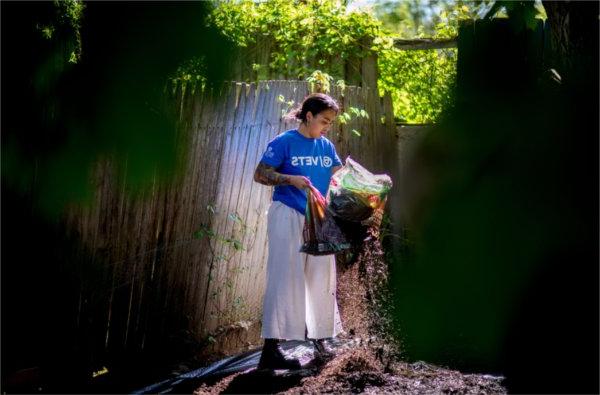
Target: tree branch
[{"x": 425, "y": 43}]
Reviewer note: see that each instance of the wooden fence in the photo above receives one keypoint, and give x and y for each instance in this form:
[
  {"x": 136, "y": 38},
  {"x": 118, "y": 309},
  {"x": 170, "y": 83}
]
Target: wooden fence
[
  {"x": 191, "y": 256},
  {"x": 355, "y": 70}
]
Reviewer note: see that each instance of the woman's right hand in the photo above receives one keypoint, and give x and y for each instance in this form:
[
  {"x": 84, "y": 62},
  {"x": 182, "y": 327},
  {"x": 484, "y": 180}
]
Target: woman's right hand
[{"x": 299, "y": 182}]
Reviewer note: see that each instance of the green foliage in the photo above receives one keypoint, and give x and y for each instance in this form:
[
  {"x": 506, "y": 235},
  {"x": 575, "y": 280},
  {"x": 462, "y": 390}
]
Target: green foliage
[
  {"x": 420, "y": 18},
  {"x": 479, "y": 245},
  {"x": 421, "y": 81},
  {"x": 224, "y": 246},
  {"x": 320, "y": 81},
  {"x": 353, "y": 112},
  {"x": 317, "y": 34},
  {"x": 303, "y": 36},
  {"x": 233, "y": 240},
  {"x": 306, "y": 35},
  {"x": 190, "y": 73},
  {"x": 68, "y": 20},
  {"x": 84, "y": 89}
]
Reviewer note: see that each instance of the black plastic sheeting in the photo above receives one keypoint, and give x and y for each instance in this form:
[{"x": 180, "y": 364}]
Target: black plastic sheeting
[{"x": 188, "y": 382}]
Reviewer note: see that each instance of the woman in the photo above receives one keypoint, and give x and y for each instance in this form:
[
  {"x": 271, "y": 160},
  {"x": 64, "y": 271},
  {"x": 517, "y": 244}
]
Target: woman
[{"x": 300, "y": 296}]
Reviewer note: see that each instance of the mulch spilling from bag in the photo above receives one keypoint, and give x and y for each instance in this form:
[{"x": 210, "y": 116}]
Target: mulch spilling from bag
[
  {"x": 368, "y": 357},
  {"x": 368, "y": 360}
]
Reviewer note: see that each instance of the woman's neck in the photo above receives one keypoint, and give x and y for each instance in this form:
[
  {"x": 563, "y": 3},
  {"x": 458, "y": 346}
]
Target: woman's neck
[{"x": 302, "y": 130}]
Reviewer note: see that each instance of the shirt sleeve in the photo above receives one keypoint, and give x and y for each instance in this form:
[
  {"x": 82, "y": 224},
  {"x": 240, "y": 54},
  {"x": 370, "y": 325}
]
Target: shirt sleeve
[
  {"x": 274, "y": 155},
  {"x": 336, "y": 159}
]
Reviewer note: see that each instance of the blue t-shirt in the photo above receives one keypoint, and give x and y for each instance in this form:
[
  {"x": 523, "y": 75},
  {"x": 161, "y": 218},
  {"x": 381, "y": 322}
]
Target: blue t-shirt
[{"x": 292, "y": 153}]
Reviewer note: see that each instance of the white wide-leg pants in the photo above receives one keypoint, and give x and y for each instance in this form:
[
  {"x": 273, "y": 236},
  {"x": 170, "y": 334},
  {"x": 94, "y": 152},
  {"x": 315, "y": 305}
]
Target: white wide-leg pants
[{"x": 301, "y": 288}]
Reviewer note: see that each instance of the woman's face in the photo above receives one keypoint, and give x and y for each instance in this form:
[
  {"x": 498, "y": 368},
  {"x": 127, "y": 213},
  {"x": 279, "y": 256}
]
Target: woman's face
[{"x": 319, "y": 125}]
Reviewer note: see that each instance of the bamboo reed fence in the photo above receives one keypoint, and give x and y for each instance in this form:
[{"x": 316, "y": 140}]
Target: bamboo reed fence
[{"x": 190, "y": 256}]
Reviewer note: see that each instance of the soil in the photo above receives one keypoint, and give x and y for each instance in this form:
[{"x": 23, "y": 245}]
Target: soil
[
  {"x": 356, "y": 370},
  {"x": 367, "y": 356}
]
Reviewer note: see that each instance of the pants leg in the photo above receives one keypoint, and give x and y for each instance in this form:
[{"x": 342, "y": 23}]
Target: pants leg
[
  {"x": 301, "y": 289},
  {"x": 284, "y": 302},
  {"x": 322, "y": 315}
]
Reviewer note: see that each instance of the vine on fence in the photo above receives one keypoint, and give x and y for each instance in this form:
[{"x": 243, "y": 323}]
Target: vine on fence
[
  {"x": 321, "y": 82},
  {"x": 317, "y": 34},
  {"x": 233, "y": 243}
]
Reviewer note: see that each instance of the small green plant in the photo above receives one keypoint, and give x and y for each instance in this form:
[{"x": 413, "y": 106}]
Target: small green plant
[
  {"x": 191, "y": 73},
  {"x": 288, "y": 104},
  {"x": 47, "y": 31},
  {"x": 353, "y": 112},
  {"x": 233, "y": 240},
  {"x": 320, "y": 81}
]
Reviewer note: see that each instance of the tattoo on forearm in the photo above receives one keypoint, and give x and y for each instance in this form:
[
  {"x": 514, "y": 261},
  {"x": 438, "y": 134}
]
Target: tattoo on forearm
[{"x": 267, "y": 175}]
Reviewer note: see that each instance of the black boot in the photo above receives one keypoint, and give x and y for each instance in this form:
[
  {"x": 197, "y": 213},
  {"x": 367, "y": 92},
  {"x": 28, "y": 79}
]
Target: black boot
[
  {"x": 323, "y": 351},
  {"x": 272, "y": 357}
]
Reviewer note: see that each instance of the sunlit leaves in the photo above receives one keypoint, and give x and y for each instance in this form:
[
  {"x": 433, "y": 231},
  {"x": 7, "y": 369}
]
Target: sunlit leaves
[
  {"x": 344, "y": 118},
  {"x": 306, "y": 35},
  {"x": 47, "y": 31},
  {"x": 421, "y": 81},
  {"x": 320, "y": 81},
  {"x": 191, "y": 73},
  {"x": 317, "y": 34}
]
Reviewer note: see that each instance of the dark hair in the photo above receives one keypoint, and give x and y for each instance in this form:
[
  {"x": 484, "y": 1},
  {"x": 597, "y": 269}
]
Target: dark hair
[{"x": 315, "y": 103}]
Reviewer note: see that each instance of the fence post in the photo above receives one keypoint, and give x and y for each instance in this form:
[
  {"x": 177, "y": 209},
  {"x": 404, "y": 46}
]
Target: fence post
[{"x": 369, "y": 72}]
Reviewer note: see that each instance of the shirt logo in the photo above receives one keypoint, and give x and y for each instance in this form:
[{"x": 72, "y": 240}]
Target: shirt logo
[
  {"x": 269, "y": 153},
  {"x": 323, "y": 161}
]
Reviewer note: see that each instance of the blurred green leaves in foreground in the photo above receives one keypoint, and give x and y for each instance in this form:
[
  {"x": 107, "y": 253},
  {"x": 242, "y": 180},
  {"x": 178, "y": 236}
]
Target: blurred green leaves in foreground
[
  {"x": 83, "y": 82},
  {"x": 503, "y": 277}
]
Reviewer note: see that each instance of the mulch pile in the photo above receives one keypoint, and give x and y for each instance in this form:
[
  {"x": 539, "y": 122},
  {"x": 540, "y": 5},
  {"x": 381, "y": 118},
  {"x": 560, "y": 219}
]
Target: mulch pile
[
  {"x": 358, "y": 371},
  {"x": 369, "y": 360}
]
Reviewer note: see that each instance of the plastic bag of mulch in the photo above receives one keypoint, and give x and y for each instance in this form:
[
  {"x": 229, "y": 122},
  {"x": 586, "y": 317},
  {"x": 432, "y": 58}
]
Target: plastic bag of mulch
[
  {"x": 355, "y": 193},
  {"x": 321, "y": 234}
]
